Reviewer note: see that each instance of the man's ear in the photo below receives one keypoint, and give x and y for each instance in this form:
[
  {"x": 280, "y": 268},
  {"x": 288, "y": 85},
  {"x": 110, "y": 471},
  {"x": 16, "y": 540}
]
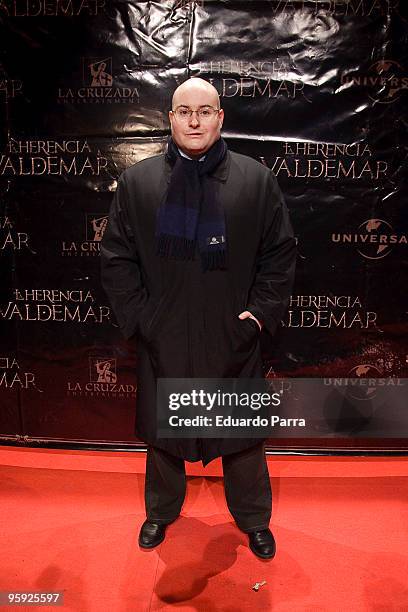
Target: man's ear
[{"x": 221, "y": 117}]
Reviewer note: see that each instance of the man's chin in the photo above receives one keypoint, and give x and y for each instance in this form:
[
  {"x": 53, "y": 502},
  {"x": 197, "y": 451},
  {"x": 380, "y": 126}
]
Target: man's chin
[{"x": 195, "y": 145}]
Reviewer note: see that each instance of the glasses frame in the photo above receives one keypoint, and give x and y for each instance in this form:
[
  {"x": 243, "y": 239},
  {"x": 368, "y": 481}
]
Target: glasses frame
[{"x": 190, "y": 111}]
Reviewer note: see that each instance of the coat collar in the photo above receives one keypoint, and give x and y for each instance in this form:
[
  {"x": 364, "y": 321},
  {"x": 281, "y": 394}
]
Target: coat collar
[{"x": 220, "y": 173}]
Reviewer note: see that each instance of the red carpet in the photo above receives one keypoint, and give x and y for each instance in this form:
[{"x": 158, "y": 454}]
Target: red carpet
[{"x": 70, "y": 521}]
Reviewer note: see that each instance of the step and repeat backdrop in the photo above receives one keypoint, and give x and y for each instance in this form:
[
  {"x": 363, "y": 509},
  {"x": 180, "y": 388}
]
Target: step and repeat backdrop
[{"x": 315, "y": 89}]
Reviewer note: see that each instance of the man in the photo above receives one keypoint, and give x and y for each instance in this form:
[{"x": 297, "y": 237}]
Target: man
[{"x": 198, "y": 255}]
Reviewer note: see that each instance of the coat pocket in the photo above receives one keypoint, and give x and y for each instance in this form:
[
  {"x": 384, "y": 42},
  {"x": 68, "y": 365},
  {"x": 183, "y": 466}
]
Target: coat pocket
[{"x": 247, "y": 330}]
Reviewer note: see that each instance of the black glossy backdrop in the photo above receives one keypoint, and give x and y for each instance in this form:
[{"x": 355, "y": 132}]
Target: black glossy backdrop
[{"x": 316, "y": 90}]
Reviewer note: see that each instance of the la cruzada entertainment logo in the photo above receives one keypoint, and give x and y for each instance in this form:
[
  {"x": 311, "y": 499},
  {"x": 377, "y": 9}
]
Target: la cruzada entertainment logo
[
  {"x": 98, "y": 85},
  {"x": 95, "y": 226},
  {"x": 103, "y": 380}
]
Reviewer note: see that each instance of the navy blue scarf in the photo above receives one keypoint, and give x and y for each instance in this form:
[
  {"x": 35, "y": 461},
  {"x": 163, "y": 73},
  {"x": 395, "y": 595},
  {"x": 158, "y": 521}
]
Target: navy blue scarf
[{"x": 191, "y": 214}]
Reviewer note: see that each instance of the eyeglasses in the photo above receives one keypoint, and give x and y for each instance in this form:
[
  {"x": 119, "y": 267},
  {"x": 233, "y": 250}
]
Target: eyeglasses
[{"x": 204, "y": 114}]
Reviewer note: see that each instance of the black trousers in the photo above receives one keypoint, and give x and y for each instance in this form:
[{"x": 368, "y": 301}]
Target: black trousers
[{"x": 246, "y": 484}]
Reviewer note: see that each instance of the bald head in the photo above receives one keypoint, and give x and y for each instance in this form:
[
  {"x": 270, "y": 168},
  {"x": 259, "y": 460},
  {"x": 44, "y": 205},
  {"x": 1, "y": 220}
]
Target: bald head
[
  {"x": 195, "y": 131},
  {"x": 196, "y": 86}
]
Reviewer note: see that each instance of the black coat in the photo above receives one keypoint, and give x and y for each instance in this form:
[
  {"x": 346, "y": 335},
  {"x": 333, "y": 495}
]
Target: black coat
[{"x": 185, "y": 322}]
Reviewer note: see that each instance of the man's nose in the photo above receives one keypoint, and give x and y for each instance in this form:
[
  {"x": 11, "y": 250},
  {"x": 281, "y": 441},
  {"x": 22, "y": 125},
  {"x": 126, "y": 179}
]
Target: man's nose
[{"x": 194, "y": 119}]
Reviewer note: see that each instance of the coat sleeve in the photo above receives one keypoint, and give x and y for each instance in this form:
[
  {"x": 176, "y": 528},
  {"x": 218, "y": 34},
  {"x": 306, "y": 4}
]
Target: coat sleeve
[
  {"x": 120, "y": 265},
  {"x": 275, "y": 263}
]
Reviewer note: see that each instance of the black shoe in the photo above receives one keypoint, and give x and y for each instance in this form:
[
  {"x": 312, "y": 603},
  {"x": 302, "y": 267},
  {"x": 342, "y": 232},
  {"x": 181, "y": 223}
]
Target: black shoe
[
  {"x": 262, "y": 543},
  {"x": 151, "y": 534}
]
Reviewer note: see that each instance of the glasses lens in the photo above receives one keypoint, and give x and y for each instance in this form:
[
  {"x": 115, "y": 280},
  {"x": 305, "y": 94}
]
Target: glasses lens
[
  {"x": 204, "y": 114},
  {"x": 183, "y": 113}
]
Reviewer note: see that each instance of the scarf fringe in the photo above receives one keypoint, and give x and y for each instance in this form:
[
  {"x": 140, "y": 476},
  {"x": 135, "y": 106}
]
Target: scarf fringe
[{"x": 175, "y": 247}]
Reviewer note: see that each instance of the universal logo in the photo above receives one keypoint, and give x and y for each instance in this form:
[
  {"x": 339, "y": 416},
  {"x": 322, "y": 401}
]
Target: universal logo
[
  {"x": 384, "y": 81},
  {"x": 98, "y": 85},
  {"x": 374, "y": 239},
  {"x": 364, "y": 382},
  {"x": 95, "y": 225},
  {"x": 102, "y": 380}
]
